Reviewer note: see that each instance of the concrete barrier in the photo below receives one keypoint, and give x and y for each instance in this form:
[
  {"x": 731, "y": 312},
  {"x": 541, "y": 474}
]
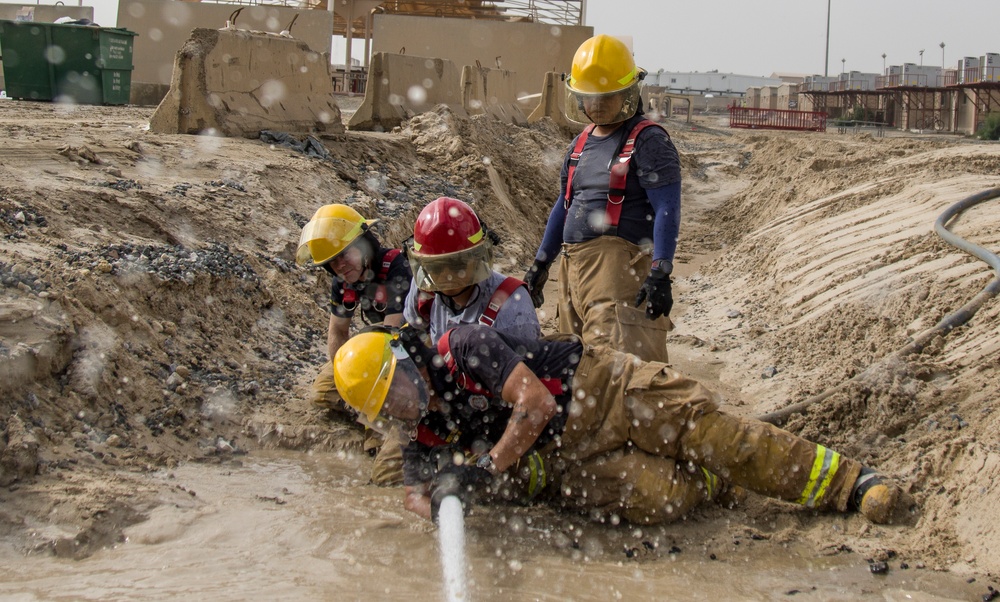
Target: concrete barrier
[
  {"x": 401, "y": 86},
  {"x": 239, "y": 82},
  {"x": 662, "y": 104},
  {"x": 553, "y": 103},
  {"x": 491, "y": 92}
]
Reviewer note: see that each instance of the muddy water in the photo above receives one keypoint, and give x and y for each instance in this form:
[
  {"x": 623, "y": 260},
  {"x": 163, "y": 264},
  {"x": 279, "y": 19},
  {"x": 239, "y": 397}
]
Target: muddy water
[{"x": 290, "y": 526}]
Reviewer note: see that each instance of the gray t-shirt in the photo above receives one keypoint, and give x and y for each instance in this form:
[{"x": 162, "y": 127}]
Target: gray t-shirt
[
  {"x": 655, "y": 163},
  {"x": 516, "y": 316}
]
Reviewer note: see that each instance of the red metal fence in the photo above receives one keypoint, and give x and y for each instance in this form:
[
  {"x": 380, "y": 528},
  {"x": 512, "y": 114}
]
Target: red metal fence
[{"x": 776, "y": 119}]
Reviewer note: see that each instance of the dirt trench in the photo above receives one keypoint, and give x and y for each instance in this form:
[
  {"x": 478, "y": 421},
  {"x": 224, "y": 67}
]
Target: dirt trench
[{"x": 151, "y": 303}]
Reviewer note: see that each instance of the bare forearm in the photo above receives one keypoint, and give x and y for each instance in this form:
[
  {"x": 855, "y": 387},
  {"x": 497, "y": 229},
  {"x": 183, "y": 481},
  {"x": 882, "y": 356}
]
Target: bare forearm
[
  {"x": 333, "y": 344},
  {"x": 533, "y": 405},
  {"x": 521, "y": 433}
]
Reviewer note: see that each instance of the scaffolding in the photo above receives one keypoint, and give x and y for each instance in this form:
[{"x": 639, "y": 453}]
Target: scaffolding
[{"x": 914, "y": 102}]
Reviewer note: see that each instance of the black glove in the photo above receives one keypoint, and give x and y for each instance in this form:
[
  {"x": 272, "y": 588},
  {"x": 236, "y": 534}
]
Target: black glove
[
  {"x": 655, "y": 292},
  {"x": 460, "y": 480},
  {"x": 535, "y": 279},
  {"x": 493, "y": 236},
  {"x": 416, "y": 342}
]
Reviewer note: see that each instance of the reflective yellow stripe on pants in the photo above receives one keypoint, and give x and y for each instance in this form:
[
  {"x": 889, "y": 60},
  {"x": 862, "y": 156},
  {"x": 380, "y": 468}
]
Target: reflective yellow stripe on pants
[
  {"x": 537, "y": 478},
  {"x": 711, "y": 483},
  {"x": 824, "y": 467}
]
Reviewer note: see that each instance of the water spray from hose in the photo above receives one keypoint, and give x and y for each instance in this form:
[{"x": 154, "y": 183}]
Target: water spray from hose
[{"x": 451, "y": 540}]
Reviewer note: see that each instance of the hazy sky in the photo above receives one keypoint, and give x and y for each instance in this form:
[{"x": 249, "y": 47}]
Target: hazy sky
[{"x": 759, "y": 37}]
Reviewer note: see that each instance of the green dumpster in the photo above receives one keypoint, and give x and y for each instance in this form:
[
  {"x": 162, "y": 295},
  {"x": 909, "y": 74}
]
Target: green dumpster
[{"x": 67, "y": 63}]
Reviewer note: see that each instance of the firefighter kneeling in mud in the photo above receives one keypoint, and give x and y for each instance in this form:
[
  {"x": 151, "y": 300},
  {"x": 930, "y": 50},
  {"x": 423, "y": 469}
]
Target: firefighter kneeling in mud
[
  {"x": 587, "y": 428},
  {"x": 365, "y": 276}
]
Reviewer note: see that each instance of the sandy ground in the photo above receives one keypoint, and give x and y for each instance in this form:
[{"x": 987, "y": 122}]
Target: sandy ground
[{"x": 151, "y": 314}]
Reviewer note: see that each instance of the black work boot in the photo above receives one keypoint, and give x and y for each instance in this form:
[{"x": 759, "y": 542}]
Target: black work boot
[{"x": 875, "y": 497}]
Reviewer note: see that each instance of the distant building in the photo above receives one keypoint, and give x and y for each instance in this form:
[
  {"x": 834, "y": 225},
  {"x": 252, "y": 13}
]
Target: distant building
[
  {"x": 789, "y": 78},
  {"x": 708, "y": 83}
]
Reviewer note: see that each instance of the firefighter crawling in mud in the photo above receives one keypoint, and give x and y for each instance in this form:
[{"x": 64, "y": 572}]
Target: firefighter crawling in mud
[{"x": 586, "y": 428}]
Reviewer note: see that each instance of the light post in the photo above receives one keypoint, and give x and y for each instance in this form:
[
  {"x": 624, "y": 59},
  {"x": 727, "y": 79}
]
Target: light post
[
  {"x": 942, "y": 55},
  {"x": 843, "y": 65},
  {"x": 826, "y": 59},
  {"x": 921, "y": 58},
  {"x": 883, "y": 63}
]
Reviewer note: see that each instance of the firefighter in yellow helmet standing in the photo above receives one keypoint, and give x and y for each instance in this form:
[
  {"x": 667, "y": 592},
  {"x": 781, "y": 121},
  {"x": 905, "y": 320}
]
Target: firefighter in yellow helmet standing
[
  {"x": 615, "y": 223},
  {"x": 366, "y": 278}
]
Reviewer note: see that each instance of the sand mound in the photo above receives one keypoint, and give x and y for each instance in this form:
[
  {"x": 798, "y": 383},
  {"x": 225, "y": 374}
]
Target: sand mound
[{"x": 152, "y": 306}]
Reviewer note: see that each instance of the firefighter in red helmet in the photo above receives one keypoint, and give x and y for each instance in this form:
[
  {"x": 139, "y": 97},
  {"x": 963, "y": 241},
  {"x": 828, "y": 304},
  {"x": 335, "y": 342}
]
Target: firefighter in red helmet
[{"x": 451, "y": 258}]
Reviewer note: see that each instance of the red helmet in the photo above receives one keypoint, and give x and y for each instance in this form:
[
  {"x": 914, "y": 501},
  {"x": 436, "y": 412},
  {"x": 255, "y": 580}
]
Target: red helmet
[{"x": 450, "y": 248}]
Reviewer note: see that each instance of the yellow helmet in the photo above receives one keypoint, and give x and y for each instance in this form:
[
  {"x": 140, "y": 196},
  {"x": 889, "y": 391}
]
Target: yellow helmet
[
  {"x": 331, "y": 229},
  {"x": 362, "y": 370},
  {"x": 602, "y": 64},
  {"x": 603, "y": 71}
]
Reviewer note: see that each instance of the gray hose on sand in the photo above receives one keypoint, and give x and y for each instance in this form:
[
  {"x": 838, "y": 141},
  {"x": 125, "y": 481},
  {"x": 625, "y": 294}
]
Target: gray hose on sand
[{"x": 946, "y": 325}]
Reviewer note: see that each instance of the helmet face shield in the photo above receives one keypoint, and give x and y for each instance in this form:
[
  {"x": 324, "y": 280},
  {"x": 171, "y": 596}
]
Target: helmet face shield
[
  {"x": 405, "y": 401},
  {"x": 324, "y": 238},
  {"x": 603, "y": 108},
  {"x": 452, "y": 271}
]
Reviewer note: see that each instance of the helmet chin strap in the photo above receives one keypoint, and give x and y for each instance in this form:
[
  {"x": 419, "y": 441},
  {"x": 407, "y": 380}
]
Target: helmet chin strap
[
  {"x": 367, "y": 273},
  {"x": 449, "y": 300}
]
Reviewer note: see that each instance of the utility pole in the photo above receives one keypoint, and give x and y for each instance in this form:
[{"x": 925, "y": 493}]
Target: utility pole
[
  {"x": 826, "y": 61},
  {"x": 942, "y": 55},
  {"x": 883, "y": 64},
  {"x": 921, "y": 58}
]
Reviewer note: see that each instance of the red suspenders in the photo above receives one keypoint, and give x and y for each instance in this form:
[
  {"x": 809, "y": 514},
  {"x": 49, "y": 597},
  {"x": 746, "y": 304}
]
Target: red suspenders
[
  {"x": 489, "y": 315},
  {"x": 619, "y": 171},
  {"x": 500, "y": 296},
  {"x": 554, "y": 385},
  {"x": 381, "y": 294}
]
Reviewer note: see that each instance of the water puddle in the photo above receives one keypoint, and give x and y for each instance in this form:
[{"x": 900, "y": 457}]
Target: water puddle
[{"x": 294, "y": 526}]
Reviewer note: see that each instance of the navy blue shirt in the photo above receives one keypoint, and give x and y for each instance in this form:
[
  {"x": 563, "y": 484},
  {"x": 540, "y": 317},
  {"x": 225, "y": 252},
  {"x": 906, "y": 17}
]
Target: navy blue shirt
[
  {"x": 366, "y": 292},
  {"x": 471, "y": 423},
  {"x": 652, "y": 203}
]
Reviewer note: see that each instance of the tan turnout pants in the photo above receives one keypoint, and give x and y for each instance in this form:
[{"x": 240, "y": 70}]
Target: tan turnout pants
[
  {"x": 387, "y": 469},
  {"x": 639, "y": 435},
  {"x": 598, "y": 282},
  {"x": 324, "y": 392}
]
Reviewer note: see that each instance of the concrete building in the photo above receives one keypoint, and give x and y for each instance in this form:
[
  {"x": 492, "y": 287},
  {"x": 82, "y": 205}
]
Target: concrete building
[
  {"x": 787, "y": 97},
  {"x": 712, "y": 82},
  {"x": 769, "y": 97},
  {"x": 464, "y": 32},
  {"x": 527, "y": 50}
]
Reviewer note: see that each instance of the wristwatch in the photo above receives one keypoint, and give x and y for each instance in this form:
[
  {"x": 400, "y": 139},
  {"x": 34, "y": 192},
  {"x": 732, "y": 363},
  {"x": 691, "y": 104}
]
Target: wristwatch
[
  {"x": 662, "y": 265},
  {"x": 485, "y": 462}
]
